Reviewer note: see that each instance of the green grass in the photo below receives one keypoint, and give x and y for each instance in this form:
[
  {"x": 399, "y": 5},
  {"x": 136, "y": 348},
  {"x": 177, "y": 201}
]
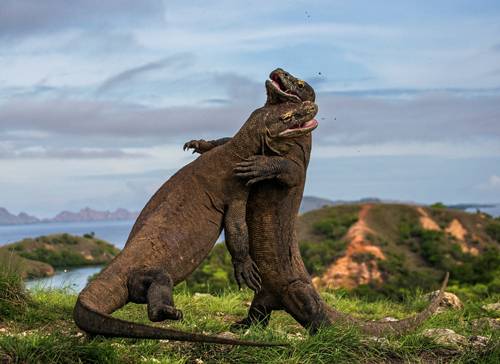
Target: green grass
[
  {"x": 44, "y": 333},
  {"x": 13, "y": 296}
]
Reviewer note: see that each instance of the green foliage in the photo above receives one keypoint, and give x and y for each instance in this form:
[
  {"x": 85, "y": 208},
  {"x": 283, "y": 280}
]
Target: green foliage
[
  {"x": 334, "y": 227},
  {"x": 363, "y": 257},
  {"x": 90, "y": 235},
  {"x": 438, "y": 205},
  {"x": 57, "y": 259},
  {"x": 317, "y": 256},
  {"x": 435, "y": 247},
  {"x": 13, "y": 296},
  {"x": 215, "y": 273},
  {"x": 493, "y": 230}
]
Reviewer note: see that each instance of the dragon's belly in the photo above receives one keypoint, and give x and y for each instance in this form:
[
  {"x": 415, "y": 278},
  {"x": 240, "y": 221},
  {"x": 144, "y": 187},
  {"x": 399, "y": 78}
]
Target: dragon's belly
[{"x": 271, "y": 215}]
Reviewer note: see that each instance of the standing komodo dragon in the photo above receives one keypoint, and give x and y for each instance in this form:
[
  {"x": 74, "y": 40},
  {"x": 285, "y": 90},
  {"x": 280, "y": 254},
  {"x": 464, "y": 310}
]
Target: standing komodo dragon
[
  {"x": 176, "y": 230},
  {"x": 272, "y": 209}
]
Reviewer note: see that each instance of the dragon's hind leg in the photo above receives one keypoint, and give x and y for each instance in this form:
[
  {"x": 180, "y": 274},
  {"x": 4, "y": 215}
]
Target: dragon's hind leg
[
  {"x": 260, "y": 311},
  {"x": 154, "y": 287}
]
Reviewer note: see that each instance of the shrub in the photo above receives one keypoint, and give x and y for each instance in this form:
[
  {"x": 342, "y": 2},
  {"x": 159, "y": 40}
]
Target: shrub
[
  {"x": 13, "y": 296},
  {"x": 445, "y": 255},
  {"x": 215, "y": 273},
  {"x": 334, "y": 227},
  {"x": 438, "y": 205},
  {"x": 57, "y": 259},
  {"x": 317, "y": 256},
  {"x": 363, "y": 257},
  {"x": 493, "y": 230}
]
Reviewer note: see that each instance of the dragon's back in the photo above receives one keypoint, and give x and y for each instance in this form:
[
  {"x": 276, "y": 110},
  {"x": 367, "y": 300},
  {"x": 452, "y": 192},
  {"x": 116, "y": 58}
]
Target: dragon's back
[{"x": 180, "y": 223}]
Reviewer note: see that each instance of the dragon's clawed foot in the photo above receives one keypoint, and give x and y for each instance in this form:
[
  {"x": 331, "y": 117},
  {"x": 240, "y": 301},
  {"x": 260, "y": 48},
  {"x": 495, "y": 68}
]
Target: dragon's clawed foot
[
  {"x": 248, "y": 272},
  {"x": 164, "y": 312},
  {"x": 255, "y": 169},
  {"x": 198, "y": 146},
  {"x": 240, "y": 325}
]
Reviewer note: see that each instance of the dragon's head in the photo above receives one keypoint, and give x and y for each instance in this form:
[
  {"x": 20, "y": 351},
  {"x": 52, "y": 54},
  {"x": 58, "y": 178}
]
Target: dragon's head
[
  {"x": 291, "y": 120},
  {"x": 288, "y": 113},
  {"x": 280, "y": 124},
  {"x": 283, "y": 87}
]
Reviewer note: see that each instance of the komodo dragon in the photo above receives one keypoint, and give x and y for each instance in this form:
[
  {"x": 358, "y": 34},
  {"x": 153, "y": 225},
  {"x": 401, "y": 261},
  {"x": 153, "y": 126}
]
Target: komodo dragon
[
  {"x": 272, "y": 208},
  {"x": 176, "y": 230}
]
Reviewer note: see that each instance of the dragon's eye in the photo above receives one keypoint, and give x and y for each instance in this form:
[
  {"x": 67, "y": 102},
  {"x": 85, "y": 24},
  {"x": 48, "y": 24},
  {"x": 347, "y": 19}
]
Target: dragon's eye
[{"x": 301, "y": 85}]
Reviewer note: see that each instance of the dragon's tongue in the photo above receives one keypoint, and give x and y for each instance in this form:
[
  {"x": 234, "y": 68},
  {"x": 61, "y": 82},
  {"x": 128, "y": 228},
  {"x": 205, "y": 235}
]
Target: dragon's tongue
[
  {"x": 310, "y": 123},
  {"x": 307, "y": 124}
]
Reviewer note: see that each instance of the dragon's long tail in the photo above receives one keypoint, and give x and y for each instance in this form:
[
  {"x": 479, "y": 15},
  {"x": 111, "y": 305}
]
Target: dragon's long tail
[
  {"x": 92, "y": 317},
  {"x": 390, "y": 327}
]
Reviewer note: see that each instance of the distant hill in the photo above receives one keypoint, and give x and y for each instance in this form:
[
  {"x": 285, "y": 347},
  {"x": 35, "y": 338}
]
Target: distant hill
[
  {"x": 390, "y": 246},
  {"x": 85, "y": 214},
  {"x": 88, "y": 214},
  {"x": 310, "y": 203},
  {"x": 6, "y": 218}
]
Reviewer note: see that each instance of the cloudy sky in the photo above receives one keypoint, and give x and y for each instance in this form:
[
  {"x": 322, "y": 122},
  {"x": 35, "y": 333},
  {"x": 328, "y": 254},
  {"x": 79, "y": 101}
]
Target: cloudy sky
[{"x": 97, "y": 97}]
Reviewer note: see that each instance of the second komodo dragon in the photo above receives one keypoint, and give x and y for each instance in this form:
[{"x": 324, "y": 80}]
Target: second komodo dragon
[{"x": 272, "y": 209}]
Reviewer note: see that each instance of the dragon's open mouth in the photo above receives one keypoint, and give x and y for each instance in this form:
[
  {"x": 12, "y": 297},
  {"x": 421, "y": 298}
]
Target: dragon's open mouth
[
  {"x": 302, "y": 128},
  {"x": 281, "y": 88}
]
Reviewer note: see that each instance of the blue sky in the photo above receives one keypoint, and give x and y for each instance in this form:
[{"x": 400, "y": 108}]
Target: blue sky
[{"x": 97, "y": 98}]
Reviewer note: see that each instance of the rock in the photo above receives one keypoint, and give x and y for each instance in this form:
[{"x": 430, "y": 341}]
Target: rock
[
  {"x": 485, "y": 323},
  {"x": 198, "y": 295},
  {"x": 478, "y": 342},
  {"x": 449, "y": 301},
  {"x": 296, "y": 336},
  {"x": 492, "y": 307},
  {"x": 381, "y": 341},
  {"x": 228, "y": 335},
  {"x": 446, "y": 337},
  {"x": 388, "y": 319}
]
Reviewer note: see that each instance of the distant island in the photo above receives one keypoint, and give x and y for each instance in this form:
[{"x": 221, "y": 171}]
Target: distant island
[
  {"x": 41, "y": 256},
  {"x": 85, "y": 214},
  {"x": 310, "y": 203}
]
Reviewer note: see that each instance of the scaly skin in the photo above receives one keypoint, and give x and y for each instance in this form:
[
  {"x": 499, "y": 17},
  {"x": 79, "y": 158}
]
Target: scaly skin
[
  {"x": 272, "y": 208},
  {"x": 176, "y": 230}
]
